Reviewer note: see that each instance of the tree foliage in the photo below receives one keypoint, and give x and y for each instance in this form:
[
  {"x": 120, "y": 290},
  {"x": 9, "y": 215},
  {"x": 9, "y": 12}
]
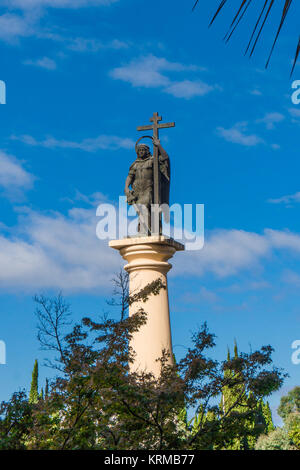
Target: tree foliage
[
  {"x": 290, "y": 403},
  {"x": 16, "y": 422},
  {"x": 276, "y": 440},
  {"x": 250, "y": 417},
  {"x": 293, "y": 427},
  {"x": 287, "y": 437},
  {"x": 96, "y": 402},
  {"x": 34, "y": 389}
]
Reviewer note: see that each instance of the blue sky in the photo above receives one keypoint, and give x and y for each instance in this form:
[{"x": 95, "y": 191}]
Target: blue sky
[{"x": 81, "y": 76}]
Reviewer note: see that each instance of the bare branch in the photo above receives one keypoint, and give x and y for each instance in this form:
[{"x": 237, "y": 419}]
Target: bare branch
[{"x": 53, "y": 317}]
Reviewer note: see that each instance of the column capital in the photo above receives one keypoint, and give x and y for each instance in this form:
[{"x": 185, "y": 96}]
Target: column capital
[{"x": 147, "y": 252}]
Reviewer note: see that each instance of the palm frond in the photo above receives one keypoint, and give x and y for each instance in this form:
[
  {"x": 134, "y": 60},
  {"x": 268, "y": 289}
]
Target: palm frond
[
  {"x": 296, "y": 57},
  {"x": 263, "y": 16}
]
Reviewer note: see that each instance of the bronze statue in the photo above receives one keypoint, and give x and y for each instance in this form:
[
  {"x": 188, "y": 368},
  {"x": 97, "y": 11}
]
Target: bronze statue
[
  {"x": 141, "y": 180},
  {"x": 149, "y": 178}
]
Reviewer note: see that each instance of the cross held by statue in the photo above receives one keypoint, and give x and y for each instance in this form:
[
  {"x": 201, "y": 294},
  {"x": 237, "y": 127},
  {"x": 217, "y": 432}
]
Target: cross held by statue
[{"x": 156, "y": 119}]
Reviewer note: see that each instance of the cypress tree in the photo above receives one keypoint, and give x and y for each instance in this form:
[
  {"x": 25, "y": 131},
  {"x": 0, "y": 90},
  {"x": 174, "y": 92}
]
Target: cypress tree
[
  {"x": 228, "y": 353},
  {"x": 34, "y": 389},
  {"x": 267, "y": 414},
  {"x": 47, "y": 389},
  {"x": 236, "y": 353},
  {"x": 259, "y": 423},
  {"x": 229, "y": 397},
  {"x": 262, "y": 423}
]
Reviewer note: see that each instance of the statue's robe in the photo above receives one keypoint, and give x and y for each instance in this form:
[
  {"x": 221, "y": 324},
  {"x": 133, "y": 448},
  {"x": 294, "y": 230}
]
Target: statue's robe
[
  {"x": 164, "y": 184},
  {"x": 143, "y": 188},
  {"x": 165, "y": 177}
]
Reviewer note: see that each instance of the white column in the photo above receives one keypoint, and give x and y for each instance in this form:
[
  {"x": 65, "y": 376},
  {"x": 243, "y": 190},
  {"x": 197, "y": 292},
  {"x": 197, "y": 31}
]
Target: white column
[{"x": 147, "y": 259}]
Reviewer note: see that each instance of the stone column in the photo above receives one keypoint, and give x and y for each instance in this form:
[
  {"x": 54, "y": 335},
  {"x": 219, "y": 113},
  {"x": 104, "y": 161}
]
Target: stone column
[{"x": 147, "y": 259}]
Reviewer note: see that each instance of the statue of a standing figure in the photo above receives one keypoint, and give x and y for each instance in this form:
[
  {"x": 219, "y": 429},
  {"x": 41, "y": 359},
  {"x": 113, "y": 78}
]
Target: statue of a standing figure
[{"x": 141, "y": 180}]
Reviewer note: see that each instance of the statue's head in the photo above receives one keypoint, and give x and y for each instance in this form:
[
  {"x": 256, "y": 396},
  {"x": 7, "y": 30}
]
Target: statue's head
[{"x": 143, "y": 151}]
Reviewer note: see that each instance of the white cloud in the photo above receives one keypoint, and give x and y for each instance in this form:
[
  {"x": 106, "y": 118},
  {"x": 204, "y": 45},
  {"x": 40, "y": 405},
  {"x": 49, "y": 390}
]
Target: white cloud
[
  {"x": 16, "y": 26},
  {"x": 247, "y": 286},
  {"x": 80, "y": 44},
  {"x": 62, "y": 252},
  {"x": 24, "y": 21},
  {"x": 294, "y": 112},
  {"x": 91, "y": 200},
  {"x": 256, "y": 92},
  {"x": 145, "y": 72},
  {"x": 270, "y": 119},
  {"x": 284, "y": 240},
  {"x": 289, "y": 199},
  {"x": 275, "y": 146},
  {"x": 102, "y": 142},
  {"x": 25, "y": 15},
  {"x": 152, "y": 72},
  {"x": 238, "y": 135},
  {"x": 290, "y": 277},
  {"x": 225, "y": 253},
  {"x": 229, "y": 252},
  {"x": 188, "y": 89},
  {"x": 31, "y": 4},
  {"x": 13, "y": 27},
  {"x": 45, "y": 63},
  {"x": 14, "y": 179},
  {"x": 203, "y": 295},
  {"x": 56, "y": 251}
]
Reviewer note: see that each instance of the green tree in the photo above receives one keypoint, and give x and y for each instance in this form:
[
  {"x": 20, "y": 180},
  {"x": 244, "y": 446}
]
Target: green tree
[
  {"x": 276, "y": 440},
  {"x": 292, "y": 424},
  {"x": 289, "y": 410},
  {"x": 267, "y": 416},
  {"x": 287, "y": 437},
  {"x": 96, "y": 403},
  {"x": 47, "y": 388},
  {"x": 290, "y": 403},
  {"x": 16, "y": 422},
  {"x": 34, "y": 389},
  {"x": 255, "y": 414}
]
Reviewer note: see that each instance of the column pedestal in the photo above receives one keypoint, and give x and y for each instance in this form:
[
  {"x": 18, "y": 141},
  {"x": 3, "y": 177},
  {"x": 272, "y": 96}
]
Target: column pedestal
[{"x": 147, "y": 259}]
